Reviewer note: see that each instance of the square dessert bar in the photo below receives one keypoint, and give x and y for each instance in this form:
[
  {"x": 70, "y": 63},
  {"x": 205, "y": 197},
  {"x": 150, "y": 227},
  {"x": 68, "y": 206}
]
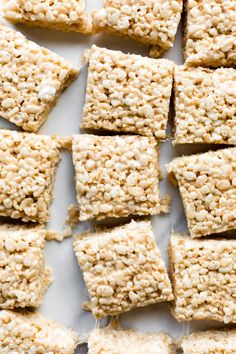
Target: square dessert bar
[
  {"x": 127, "y": 93},
  {"x": 210, "y": 33},
  {"x": 129, "y": 342},
  {"x": 27, "y": 167},
  {"x": 23, "y": 275},
  {"x": 61, "y": 15},
  {"x": 204, "y": 275},
  {"x": 205, "y": 105},
  {"x": 116, "y": 176},
  {"x": 211, "y": 341},
  {"x": 31, "y": 80},
  {"x": 29, "y": 332},
  {"x": 207, "y": 184},
  {"x": 122, "y": 268},
  {"x": 147, "y": 21}
]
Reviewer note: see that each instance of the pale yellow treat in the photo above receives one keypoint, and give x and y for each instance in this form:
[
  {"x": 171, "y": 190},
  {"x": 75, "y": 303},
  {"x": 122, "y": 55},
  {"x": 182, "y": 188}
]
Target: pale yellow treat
[
  {"x": 205, "y": 105},
  {"x": 122, "y": 268},
  {"x": 116, "y": 176},
  {"x": 129, "y": 342},
  {"x": 27, "y": 167},
  {"x": 207, "y": 184},
  {"x": 64, "y": 15},
  {"x": 24, "y": 278},
  {"x": 147, "y": 21},
  {"x": 204, "y": 275},
  {"x": 29, "y": 332},
  {"x": 210, "y": 342},
  {"x": 31, "y": 79},
  {"x": 210, "y": 33},
  {"x": 127, "y": 93}
]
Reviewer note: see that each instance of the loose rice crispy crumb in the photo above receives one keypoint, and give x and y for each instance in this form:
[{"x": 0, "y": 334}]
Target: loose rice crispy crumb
[
  {"x": 210, "y": 33},
  {"x": 209, "y": 342},
  {"x": 116, "y": 176},
  {"x": 122, "y": 268},
  {"x": 129, "y": 342},
  {"x": 30, "y": 332},
  {"x": 64, "y": 15},
  {"x": 31, "y": 79},
  {"x": 23, "y": 275},
  {"x": 127, "y": 93},
  {"x": 205, "y": 105},
  {"x": 27, "y": 167},
  {"x": 147, "y": 21},
  {"x": 207, "y": 184},
  {"x": 204, "y": 277}
]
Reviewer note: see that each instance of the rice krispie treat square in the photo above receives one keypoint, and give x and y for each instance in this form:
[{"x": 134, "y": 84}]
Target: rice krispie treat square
[
  {"x": 128, "y": 342},
  {"x": 205, "y": 105},
  {"x": 23, "y": 275},
  {"x": 147, "y": 21},
  {"x": 27, "y": 166},
  {"x": 210, "y": 33},
  {"x": 204, "y": 277},
  {"x": 211, "y": 341},
  {"x": 116, "y": 176},
  {"x": 127, "y": 93},
  {"x": 122, "y": 268},
  {"x": 207, "y": 184},
  {"x": 31, "y": 80},
  {"x": 64, "y": 15},
  {"x": 29, "y": 332}
]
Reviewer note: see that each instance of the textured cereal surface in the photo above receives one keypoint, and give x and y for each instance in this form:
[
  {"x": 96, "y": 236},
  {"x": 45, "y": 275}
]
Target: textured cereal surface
[
  {"x": 116, "y": 176},
  {"x": 122, "y": 268},
  {"x": 205, "y": 105},
  {"x": 65, "y": 15},
  {"x": 27, "y": 332},
  {"x": 27, "y": 167},
  {"x": 31, "y": 79},
  {"x": 127, "y": 92},
  {"x": 23, "y": 275},
  {"x": 210, "y": 342},
  {"x": 210, "y": 32},
  {"x": 207, "y": 184},
  {"x": 204, "y": 275},
  {"x": 127, "y": 341},
  {"x": 149, "y": 21}
]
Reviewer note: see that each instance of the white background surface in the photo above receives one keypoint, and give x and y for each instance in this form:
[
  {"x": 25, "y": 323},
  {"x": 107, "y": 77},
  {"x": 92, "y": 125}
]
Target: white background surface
[{"x": 64, "y": 298}]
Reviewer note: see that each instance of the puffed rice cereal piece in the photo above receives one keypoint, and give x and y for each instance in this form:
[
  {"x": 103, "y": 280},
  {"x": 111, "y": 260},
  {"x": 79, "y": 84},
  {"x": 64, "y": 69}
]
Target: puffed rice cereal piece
[
  {"x": 127, "y": 93},
  {"x": 122, "y": 268},
  {"x": 116, "y": 176},
  {"x": 207, "y": 184},
  {"x": 129, "y": 342},
  {"x": 27, "y": 166},
  {"x": 29, "y": 332},
  {"x": 205, "y": 105},
  {"x": 210, "y": 33},
  {"x": 64, "y": 15},
  {"x": 147, "y": 21},
  {"x": 210, "y": 342},
  {"x": 23, "y": 275},
  {"x": 204, "y": 274},
  {"x": 31, "y": 80}
]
